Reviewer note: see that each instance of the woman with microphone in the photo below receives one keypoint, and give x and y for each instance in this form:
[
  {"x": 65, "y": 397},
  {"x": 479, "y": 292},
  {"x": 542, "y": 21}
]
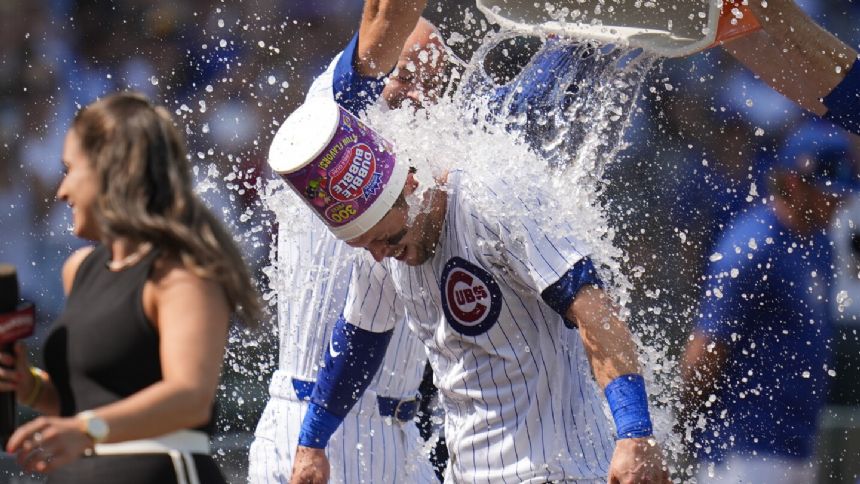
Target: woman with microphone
[{"x": 132, "y": 363}]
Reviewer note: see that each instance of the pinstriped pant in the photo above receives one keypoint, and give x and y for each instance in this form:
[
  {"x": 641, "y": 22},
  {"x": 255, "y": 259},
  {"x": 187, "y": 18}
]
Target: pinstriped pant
[{"x": 366, "y": 449}]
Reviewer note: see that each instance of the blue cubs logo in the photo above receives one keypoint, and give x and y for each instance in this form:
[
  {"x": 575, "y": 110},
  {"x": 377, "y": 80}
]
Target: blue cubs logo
[{"x": 471, "y": 298}]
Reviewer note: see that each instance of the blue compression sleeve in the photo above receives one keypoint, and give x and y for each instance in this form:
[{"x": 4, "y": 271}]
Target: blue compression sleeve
[
  {"x": 318, "y": 427},
  {"x": 561, "y": 294},
  {"x": 353, "y": 358},
  {"x": 843, "y": 102},
  {"x": 352, "y": 90},
  {"x": 629, "y": 405}
]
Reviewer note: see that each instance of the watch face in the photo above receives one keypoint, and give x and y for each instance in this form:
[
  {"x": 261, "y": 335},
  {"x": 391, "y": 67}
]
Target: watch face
[{"x": 97, "y": 428}]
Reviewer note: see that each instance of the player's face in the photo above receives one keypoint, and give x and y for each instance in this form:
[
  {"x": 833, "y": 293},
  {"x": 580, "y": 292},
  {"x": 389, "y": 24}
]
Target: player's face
[
  {"x": 418, "y": 77},
  {"x": 411, "y": 242},
  {"x": 388, "y": 237},
  {"x": 79, "y": 188}
]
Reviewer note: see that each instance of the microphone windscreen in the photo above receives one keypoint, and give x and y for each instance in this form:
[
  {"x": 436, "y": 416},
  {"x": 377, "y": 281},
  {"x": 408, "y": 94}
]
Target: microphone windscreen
[{"x": 8, "y": 288}]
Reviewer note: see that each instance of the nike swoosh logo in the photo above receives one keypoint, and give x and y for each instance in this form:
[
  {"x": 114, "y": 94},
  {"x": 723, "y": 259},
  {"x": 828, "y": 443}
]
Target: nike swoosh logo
[{"x": 331, "y": 351}]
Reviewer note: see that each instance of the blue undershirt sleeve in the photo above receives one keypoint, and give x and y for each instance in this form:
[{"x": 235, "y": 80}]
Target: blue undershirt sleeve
[
  {"x": 843, "y": 102},
  {"x": 533, "y": 86},
  {"x": 560, "y": 295},
  {"x": 350, "y": 89},
  {"x": 353, "y": 358}
]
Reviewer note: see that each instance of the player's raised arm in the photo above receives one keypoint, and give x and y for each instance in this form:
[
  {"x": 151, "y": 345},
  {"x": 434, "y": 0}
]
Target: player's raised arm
[
  {"x": 385, "y": 26},
  {"x": 391, "y": 34},
  {"x": 804, "y": 62}
]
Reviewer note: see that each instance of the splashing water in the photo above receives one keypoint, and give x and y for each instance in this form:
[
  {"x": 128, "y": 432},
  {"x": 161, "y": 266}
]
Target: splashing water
[
  {"x": 551, "y": 132},
  {"x": 571, "y": 103}
]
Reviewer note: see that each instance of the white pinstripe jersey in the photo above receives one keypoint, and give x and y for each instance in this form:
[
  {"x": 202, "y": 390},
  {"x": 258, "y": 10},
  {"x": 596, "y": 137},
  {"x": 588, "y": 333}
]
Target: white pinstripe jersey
[
  {"x": 311, "y": 279},
  {"x": 520, "y": 402},
  {"x": 314, "y": 272},
  {"x": 314, "y": 269}
]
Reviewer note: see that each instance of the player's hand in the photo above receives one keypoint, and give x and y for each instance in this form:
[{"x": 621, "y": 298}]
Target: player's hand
[
  {"x": 46, "y": 443},
  {"x": 638, "y": 461},
  {"x": 310, "y": 466}
]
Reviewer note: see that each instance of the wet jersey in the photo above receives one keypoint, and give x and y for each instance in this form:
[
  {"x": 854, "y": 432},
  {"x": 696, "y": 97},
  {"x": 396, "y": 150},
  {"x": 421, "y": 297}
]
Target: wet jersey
[{"x": 520, "y": 402}]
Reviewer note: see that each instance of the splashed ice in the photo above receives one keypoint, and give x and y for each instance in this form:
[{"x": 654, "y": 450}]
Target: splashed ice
[{"x": 556, "y": 147}]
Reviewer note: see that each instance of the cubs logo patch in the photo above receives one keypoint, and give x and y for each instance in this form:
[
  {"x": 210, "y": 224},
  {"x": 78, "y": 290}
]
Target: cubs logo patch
[{"x": 471, "y": 298}]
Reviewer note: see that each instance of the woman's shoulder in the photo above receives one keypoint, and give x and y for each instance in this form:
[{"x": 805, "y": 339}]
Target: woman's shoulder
[
  {"x": 171, "y": 274},
  {"x": 172, "y": 284},
  {"x": 168, "y": 269},
  {"x": 71, "y": 266}
]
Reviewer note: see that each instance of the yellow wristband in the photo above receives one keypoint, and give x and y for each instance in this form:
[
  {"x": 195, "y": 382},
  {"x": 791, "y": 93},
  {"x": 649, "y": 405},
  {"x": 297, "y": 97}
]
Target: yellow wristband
[{"x": 39, "y": 378}]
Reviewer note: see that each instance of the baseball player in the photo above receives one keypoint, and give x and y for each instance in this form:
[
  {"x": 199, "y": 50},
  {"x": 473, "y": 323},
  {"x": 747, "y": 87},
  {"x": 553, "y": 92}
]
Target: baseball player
[
  {"x": 378, "y": 441},
  {"x": 755, "y": 370},
  {"x": 511, "y": 314}
]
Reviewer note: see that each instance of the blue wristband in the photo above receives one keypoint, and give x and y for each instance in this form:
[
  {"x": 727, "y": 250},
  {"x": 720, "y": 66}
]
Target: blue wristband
[
  {"x": 629, "y": 405},
  {"x": 317, "y": 427}
]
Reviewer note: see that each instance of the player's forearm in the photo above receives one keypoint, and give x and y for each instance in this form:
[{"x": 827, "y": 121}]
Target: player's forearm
[
  {"x": 385, "y": 26},
  {"x": 607, "y": 340},
  {"x": 352, "y": 360},
  {"x": 793, "y": 54},
  {"x": 612, "y": 354}
]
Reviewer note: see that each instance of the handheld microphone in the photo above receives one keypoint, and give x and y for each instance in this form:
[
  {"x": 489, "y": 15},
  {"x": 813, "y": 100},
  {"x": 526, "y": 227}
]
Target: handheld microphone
[{"x": 17, "y": 320}]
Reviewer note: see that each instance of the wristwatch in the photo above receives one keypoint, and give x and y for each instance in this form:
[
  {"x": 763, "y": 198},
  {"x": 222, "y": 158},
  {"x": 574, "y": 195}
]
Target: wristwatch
[{"x": 94, "y": 426}]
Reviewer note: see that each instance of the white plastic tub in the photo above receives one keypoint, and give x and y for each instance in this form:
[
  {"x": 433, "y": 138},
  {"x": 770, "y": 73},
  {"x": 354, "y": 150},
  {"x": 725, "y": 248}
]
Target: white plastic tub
[{"x": 670, "y": 28}]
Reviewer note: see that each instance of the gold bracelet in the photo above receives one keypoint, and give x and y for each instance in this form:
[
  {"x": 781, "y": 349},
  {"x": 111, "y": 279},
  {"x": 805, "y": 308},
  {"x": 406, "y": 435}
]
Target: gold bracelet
[{"x": 39, "y": 379}]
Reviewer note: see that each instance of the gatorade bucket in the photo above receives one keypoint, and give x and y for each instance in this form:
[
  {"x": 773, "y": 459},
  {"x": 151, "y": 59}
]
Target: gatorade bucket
[
  {"x": 668, "y": 28},
  {"x": 340, "y": 167}
]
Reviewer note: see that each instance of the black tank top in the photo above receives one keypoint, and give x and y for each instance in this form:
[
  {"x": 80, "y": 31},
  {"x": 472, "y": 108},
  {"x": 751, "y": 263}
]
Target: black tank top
[{"x": 103, "y": 348}]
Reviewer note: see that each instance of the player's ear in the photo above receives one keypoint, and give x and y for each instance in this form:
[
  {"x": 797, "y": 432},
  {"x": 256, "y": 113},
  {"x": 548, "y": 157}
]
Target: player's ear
[{"x": 411, "y": 184}]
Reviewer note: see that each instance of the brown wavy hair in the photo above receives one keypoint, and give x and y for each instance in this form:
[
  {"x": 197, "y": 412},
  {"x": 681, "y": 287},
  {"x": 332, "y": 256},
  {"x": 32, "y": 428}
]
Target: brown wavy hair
[{"x": 146, "y": 194}]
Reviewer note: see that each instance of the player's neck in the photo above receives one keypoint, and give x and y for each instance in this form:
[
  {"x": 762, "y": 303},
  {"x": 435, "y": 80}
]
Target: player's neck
[
  {"x": 437, "y": 215},
  {"x": 429, "y": 222}
]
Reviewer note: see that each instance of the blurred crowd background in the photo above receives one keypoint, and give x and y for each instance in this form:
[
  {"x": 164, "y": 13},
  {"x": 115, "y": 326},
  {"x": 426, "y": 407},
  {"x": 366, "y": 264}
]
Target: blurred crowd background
[{"x": 704, "y": 131}]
